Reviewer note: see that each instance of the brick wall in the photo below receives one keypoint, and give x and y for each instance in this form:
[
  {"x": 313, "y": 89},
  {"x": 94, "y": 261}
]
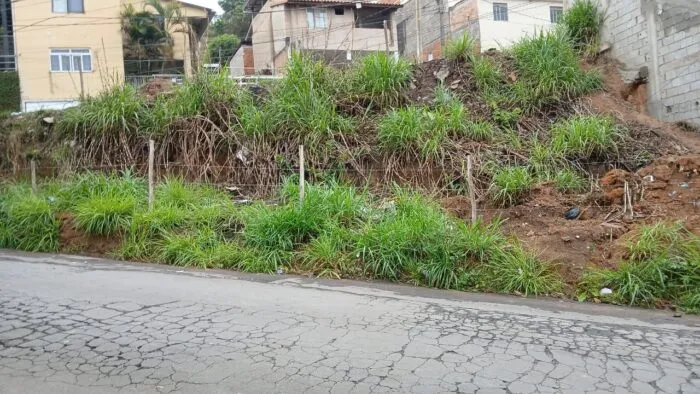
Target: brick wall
[
  {"x": 464, "y": 16},
  {"x": 433, "y": 20},
  {"x": 664, "y": 37}
]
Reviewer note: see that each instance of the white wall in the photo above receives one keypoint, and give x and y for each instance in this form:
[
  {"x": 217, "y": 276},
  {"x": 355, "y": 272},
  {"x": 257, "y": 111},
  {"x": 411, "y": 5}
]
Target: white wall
[{"x": 524, "y": 18}]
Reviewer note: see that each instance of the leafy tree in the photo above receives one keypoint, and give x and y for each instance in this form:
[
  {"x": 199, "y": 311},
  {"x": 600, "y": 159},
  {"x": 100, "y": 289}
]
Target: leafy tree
[
  {"x": 223, "y": 47},
  {"x": 235, "y": 19}
]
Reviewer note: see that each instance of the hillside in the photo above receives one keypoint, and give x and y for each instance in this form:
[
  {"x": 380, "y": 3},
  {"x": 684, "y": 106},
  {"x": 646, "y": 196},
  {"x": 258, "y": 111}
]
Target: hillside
[{"x": 576, "y": 189}]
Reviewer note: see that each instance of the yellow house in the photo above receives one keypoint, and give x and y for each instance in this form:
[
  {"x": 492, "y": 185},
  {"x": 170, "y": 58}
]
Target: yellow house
[{"x": 66, "y": 49}]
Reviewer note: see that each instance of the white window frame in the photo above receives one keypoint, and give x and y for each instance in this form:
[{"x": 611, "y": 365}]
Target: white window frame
[
  {"x": 500, "y": 12},
  {"x": 558, "y": 10},
  {"x": 316, "y": 18},
  {"x": 67, "y": 7},
  {"x": 71, "y": 54}
]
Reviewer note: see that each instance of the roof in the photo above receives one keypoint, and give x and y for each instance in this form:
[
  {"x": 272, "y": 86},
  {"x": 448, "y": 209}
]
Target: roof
[
  {"x": 195, "y": 4},
  {"x": 369, "y": 3}
]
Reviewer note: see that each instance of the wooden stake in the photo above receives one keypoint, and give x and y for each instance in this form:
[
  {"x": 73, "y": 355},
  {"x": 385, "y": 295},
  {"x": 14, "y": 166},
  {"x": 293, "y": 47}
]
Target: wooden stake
[
  {"x": 301, "y": 174},
  {"x": 32, "y": 165},
  {"x": 386, "y": 36},
  {"x": 151, "y": 160},
  {"x": 472, "y": 192}
]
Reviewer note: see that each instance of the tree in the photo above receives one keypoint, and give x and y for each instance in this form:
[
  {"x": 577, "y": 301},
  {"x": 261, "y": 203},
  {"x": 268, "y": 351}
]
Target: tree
[
  {"x": 235, "y": 19},
  {"x": 223, "y": 47}
]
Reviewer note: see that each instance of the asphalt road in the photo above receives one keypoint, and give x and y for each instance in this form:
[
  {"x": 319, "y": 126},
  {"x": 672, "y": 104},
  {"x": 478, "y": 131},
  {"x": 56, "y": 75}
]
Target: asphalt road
[{"x": 77, "y": 325}]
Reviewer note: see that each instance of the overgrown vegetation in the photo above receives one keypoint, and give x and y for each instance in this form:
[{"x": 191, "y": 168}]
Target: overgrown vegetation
[
  {"x": 10, "y": 99},
  {"x": 663, "y": 265},
  {"x": 461, "y": 48},
  {"x": 582, "y": 22}
]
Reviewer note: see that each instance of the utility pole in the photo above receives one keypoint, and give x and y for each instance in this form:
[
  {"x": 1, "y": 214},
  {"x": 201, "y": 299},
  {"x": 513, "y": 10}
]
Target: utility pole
[{"x": 419, "y": 44}]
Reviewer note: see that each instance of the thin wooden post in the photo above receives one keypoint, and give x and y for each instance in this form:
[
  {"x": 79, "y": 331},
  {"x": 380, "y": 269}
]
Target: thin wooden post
[
  {"x": 472, "y": 192},
  {"x": 386, "y": 36},
  {"x": 151, "y": 160},
  {"x": 302, "y": 183},
  {"x": 32, "y": 165}
]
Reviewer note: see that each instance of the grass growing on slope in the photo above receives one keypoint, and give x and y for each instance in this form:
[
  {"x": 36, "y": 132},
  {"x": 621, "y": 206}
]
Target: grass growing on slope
[
  {"x": 549, "y": 71},
  {"x": 521, "y": 273},
  {"x": 27, "y": 222},
  {"x": 113, "y": 111},
  {"x": 583, "y": 137},
  {"x": 382, "y": 78},
  {"x": 663, "y": 264},
  {"x": 460, "y": 48},
  {"x": 583, "y": 22},
  {"x": 510, "y": 185},
  {"x": 104, "y": 215}
]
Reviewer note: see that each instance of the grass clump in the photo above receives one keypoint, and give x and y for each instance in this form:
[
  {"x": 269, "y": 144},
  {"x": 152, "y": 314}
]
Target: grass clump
[
  {"x": 461, "y": 48},
  {"x": 519, "y": 272},
  {"x": 330, "y": 254},
  {"x": 113, "y": 111},
  {"x": 569, "y": 181},
  {"x": 663, "y": 265},
  {"x": 583, "y": 22},
  {"x": 402, "y": 129},
  {"x": 104, "y": 215},
  {"x": 487, "y": 75},
  {"x": 27, "y": 222},
  {"x": 549, "y": 71},
  {"x": 382, "y": 78},
  {"x": 510, "y": 185},
  {"x": 585, "y": 136}
]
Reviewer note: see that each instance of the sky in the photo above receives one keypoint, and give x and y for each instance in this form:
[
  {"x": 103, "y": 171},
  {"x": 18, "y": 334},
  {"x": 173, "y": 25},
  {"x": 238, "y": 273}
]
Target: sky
[{"x": 213, "y": 4}]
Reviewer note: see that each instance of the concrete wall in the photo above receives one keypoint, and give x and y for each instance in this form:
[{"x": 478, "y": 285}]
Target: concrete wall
[
  {"x": 524, "y": 18},
  {"x": 664, "y": 37},
  {"x": 423, "y": 36}
]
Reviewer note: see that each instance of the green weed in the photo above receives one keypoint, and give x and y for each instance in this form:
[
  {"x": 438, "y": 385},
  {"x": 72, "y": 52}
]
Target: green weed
[
  {"x": 516, "y": 271},
  {"x": 104, "y": 215},
  {"x": 510, "y": 184},
  {"x": 383, "y": 78},
  {"x": 113, "y": 111},
  {"x": 487, "y": 74},
  {"x": 27, "y": 222},
  {"x": 569, "y": 181},
  {"x": 585, "y": 136},
  {"x": 583, "y": 22},
  {"x": 461, "y": 48}
]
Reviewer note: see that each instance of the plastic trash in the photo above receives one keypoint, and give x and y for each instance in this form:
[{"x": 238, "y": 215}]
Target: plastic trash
[
  {"x": 605, "y": 291},
  {"x": 572, "y": 213}
]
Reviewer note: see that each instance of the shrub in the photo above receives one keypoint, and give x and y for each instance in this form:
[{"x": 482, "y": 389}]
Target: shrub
[
  {"x": 568, "y": 181},
  {"x": 549, "y": 71},
  {"x": 222, "y": 48},
  {"x": 382, "y": 77},
  {"x": 27, "y": 222},
  {"x": 461, "y": 48},
  {"x": 115, "y": 110},
  {"x": 582, "y": 22},
  {"x": 104, "y": 215},
  {"x": 585, "y": 136},
  {"x": 510, "y": 185},
  {"x": 518, "y": 272}
]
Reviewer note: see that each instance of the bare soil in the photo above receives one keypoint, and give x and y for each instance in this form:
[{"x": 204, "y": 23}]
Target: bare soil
[{"x": 74, "y": 240}]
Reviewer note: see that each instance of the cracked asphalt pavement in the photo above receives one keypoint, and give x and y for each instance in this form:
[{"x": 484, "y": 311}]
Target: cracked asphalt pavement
[{"x": 80, "y": 325}]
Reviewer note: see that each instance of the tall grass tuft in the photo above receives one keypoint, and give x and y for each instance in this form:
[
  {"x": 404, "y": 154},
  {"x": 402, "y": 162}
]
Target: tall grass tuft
[
  {"x": 521, "y": 273},
  {"x": 104, "y": 215},
  {"x": 27, "y": 222},
  {"x": 583, "y": 22},
  {"x": 382, "y": 78},
  {"x": 115, "y": 110},
  {"x": 549, "y": 71},
  {"x": 510, "y": 185},
  {"x": 461, "y": 48},
  {"x": 585, "y": 136}
]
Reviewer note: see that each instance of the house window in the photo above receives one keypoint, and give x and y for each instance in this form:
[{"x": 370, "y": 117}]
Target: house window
[
  {"x": 67, "y": 60},
  {"x": 67, "y": 6},
  {"x": 500, "y": 12},
  {"x": 555, "y": 14},
  {"x": 316, "y": 18},
  {"x": 340, "y": 11}
]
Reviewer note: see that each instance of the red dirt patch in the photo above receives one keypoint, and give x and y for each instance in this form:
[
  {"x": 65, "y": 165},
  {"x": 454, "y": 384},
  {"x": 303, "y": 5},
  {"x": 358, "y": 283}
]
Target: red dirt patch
[{"x": 74, "y": 240}]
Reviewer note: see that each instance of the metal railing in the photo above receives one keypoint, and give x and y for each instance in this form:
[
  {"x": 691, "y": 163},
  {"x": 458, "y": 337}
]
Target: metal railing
[{"x": 138, "y": 80}]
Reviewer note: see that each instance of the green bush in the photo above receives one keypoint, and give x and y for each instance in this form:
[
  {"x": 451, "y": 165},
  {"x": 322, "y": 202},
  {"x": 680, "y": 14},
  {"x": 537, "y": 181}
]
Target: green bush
[
  {"x": 510, "y": 185},
  {"x": 461, "y": 48},
  {"x": 549, "y": 71},
  {"x": 10, "y": 99},
  {"x": 382, "y": 78},
  {"x": 27, "y": 222},
  {"x": 521, "y": 273},
  {"x": 222, "y": 48},
  {"x": 583, "y": 22},
  {"x": 104, "y": 215},
  {"x": 585, "y": 136}
]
